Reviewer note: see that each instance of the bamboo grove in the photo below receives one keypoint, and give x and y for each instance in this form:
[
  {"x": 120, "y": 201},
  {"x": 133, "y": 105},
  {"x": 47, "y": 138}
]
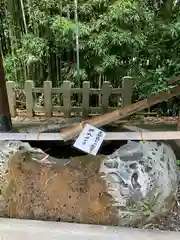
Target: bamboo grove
[{"x": 116, "y": 38}]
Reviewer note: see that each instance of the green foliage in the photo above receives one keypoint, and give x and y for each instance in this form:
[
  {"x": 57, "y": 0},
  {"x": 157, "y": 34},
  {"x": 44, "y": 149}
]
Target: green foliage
[
  {"x": 33, "y": 49},
  {"x": 116, "y": 38}
]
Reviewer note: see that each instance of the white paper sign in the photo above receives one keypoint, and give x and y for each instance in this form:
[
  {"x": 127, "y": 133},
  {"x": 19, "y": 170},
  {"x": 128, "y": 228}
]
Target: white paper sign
[{"x": 90, "y": 139}]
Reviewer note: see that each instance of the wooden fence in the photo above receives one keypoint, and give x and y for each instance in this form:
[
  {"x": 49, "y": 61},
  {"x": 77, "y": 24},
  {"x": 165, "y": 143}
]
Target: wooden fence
[{"x": 67, "y": 91}]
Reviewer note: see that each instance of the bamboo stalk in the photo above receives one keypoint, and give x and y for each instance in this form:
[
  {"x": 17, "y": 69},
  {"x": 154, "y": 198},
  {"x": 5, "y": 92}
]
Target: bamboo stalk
[
  {"x": 77, "y": 42},
  {"x": 107, "y": 118},
  {"x": 10, "y": 7},
  {"x": 23, "y": 15}
]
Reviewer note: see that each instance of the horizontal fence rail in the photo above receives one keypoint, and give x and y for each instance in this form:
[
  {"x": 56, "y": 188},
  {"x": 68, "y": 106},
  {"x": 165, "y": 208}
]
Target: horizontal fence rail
[
  {"x": 141, "y": 136},
  {"x": 66, "y": 90}
]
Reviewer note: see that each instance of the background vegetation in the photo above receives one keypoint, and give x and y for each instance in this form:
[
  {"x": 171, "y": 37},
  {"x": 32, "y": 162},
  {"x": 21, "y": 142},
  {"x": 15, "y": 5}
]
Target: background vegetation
[{"x": 140, "y": 38}]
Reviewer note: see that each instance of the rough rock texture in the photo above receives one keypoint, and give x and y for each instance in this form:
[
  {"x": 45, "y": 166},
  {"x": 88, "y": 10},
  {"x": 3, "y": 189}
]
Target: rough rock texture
[
  {"x": 142, "y": 179},
  {"x": 66, "y": 190},
  {"x": 134, "y": 184}
]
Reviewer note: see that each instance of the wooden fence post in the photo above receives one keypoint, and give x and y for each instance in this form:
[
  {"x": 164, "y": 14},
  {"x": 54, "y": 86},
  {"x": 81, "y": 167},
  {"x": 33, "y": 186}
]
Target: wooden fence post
[
  {"x": 127, "y": 85},
  {"x": 29, "y": 98},
  {"x": 106, "y": 92},
  {"x": 11, "y": 98},
  {"x": 48, "y": 98},
  {"x": 67, "y": 98},
  {"x": 5, "y": 116},
  {"x": 85, "y": 99}
]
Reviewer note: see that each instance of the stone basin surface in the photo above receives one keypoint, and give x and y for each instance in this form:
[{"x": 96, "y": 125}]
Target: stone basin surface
[{"x": 131, "y": 186}]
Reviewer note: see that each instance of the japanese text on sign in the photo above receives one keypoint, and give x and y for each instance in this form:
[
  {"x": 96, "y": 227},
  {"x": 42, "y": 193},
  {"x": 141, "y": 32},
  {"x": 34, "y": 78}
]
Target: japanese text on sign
[{"x": 90, "y": 139}]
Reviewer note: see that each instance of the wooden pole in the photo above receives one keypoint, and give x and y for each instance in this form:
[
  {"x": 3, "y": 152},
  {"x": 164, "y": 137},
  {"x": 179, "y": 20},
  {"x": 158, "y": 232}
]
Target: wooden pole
[
  {"x": 5, "y": 117},
  {"x": 107, "y": 118},
  {"x": 110, "y": 136}
]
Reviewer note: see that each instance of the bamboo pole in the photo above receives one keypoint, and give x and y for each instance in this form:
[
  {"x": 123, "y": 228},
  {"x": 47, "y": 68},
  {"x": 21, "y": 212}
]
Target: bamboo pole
[
  {"x": 107, "y": 118},
  {"x": 77, "y": 42},
  {"x": 24, "y": 16}
]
